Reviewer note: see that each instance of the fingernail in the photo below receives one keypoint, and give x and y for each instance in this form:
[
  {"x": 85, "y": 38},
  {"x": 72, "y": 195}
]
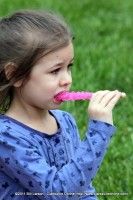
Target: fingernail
[{"x": 123, "y": 94}]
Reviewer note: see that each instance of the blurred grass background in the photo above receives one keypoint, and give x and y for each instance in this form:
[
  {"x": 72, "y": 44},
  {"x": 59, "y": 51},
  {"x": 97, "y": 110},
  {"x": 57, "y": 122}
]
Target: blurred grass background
[{"x": 103, "y": 60}]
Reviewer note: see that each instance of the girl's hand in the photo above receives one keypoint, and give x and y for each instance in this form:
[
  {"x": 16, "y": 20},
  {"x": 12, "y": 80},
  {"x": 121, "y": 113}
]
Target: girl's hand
[{"x": 102, "y": 104}]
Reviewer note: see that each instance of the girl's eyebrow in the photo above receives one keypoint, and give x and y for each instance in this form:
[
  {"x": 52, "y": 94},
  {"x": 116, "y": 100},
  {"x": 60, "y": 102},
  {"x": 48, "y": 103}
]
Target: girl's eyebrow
[
  {"x": 61, "y": 62},
  {"x": 56, "y": 64},
  {"x": 72, "y": 60}
]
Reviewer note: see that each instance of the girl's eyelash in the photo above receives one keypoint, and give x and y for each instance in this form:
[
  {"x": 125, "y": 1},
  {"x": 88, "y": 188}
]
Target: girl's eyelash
[
  {"x": 70, "y": 65},
  {"x": 57, "y": 70}
]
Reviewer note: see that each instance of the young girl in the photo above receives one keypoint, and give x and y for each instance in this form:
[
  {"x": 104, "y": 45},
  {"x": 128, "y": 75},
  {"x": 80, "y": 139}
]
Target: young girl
[{"x": 41, "y": 155}]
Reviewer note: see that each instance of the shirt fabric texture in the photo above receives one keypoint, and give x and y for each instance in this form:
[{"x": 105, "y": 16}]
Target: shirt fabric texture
[{"x": 38, "y": 166}]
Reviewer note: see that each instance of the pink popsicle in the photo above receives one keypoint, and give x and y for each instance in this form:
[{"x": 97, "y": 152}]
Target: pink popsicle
[{"x": 72, "y": 96}]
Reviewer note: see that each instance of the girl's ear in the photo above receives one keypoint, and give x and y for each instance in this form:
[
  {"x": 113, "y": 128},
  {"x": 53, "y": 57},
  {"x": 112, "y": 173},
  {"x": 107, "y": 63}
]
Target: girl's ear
[{"x": 9, "y": 70}]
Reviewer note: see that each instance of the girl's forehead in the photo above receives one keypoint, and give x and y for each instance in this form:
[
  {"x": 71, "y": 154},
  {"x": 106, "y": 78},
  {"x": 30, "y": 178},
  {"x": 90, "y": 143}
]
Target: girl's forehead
[
  {"x": 61, "y": 55},
  {"x": 65, "y": 52}
]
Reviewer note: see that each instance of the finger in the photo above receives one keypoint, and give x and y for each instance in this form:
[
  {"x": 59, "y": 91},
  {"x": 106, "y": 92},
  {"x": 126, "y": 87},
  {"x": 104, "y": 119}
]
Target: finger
[
  {"x": 113, "y": 101},
  {"x": 107, "y": 98},
  {"x": 98, "y": 96}
]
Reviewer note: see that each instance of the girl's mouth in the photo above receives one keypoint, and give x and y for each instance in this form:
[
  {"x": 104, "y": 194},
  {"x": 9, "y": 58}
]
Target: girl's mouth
[{"x": 58, "y": 100}]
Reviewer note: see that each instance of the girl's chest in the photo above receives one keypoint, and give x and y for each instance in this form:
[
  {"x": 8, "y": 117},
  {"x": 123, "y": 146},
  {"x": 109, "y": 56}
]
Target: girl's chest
[{"x": 57, "y": 149}]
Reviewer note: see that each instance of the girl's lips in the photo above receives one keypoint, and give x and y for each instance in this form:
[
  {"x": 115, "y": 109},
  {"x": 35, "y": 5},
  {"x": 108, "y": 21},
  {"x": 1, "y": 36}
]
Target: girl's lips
[
  {"x": 55, "y": 100},
  {"x": 59, "y": 94}
]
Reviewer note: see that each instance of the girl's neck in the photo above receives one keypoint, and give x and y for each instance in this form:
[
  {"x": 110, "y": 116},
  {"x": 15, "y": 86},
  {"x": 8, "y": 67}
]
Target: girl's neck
[
  {"x": 37, "y": 119},
  {"x": 19, "y": 110}
]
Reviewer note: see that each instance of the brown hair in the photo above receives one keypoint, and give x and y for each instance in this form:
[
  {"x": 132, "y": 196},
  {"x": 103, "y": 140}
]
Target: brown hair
[{"x": 25, "y": 36}]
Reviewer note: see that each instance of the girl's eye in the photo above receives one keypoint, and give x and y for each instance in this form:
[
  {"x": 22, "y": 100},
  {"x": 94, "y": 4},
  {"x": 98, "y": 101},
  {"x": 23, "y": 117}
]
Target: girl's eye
[
  {"x": 55, "y": 71},
  {"x": 70, "y": 66},
  {"x": 58, "y": 69}
]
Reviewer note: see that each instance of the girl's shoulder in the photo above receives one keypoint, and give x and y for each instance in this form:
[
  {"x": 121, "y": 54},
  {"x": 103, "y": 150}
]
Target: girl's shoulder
[
  {"x": 63, "y": 115},
  {"x": 13, "y": 126},
  {"x": 4, "y": 121},
  {"x": 64, "y": 118},
  {"x": 10, "y": 125}
]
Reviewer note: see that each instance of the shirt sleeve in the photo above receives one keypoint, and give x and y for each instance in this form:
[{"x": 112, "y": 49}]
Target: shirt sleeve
[
  {"x": 90, "y": 192},
  {"x": 29, "y": 168}
]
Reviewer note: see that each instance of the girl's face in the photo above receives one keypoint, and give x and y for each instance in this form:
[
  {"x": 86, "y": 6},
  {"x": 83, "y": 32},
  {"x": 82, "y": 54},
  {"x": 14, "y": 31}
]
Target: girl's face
[{"x": 51, "y": 75}]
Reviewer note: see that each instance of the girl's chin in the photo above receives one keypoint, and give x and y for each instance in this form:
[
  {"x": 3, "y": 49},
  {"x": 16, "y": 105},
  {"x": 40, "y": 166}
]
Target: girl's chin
[{"x": 55, "y": 105}]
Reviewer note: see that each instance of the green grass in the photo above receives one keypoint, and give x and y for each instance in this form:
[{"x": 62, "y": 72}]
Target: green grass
[{"x": 103, "y": 60}]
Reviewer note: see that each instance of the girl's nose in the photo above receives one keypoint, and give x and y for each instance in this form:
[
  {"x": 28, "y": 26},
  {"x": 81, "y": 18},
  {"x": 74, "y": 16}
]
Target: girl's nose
[{"x": 66, "y": 79}]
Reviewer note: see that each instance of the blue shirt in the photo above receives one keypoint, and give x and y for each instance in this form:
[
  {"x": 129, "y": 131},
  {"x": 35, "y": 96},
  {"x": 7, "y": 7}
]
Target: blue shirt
[{"x": 35, "y": 165}]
